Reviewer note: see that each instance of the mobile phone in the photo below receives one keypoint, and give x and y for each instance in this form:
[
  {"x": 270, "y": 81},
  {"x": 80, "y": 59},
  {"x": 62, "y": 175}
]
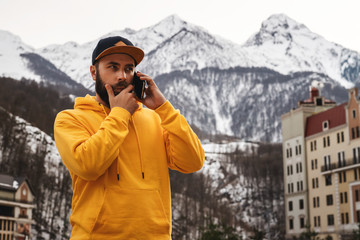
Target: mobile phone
[{"x": 139, "y": 86}]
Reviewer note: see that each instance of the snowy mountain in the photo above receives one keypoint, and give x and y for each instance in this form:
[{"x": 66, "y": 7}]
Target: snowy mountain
[
  {"x": 281, "y": 44},
  {"x": 286, "y": 46},
  {"x": 220, "y": 86},
  {"x": 243, "y": 102},
  {"x": 11, "y": 63},
  {"x": 18, "y": 60}
]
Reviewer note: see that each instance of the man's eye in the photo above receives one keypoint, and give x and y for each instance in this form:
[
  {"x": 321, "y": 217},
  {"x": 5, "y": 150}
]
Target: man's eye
[{"x": 129, "y": 69}]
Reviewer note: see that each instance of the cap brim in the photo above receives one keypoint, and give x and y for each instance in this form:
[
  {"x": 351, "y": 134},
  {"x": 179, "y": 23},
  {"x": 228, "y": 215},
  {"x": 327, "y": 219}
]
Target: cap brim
[{"x": 136, "y": 53}]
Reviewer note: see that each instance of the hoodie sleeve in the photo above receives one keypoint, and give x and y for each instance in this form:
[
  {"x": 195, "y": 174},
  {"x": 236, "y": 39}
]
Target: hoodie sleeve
[
  {"x": 85, "y": 154},
  {"x": 184, "y": 150}
]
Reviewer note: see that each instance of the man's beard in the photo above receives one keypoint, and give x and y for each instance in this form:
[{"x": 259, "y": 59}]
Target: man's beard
[{"x": 101, "y": 90}]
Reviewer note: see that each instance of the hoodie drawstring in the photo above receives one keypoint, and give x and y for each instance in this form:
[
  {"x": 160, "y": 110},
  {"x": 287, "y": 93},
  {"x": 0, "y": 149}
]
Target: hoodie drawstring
[
  {"x": 138, "y": 144},
  {"x": 117, "y": 159}
]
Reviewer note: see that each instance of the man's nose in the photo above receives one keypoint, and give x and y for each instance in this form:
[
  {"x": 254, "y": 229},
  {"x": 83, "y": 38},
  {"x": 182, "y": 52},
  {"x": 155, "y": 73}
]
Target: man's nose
[{"x": 122, "y": 75}]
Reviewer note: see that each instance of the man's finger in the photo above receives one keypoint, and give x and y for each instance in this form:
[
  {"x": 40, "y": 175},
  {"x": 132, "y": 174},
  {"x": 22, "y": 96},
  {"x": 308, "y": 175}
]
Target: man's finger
[
  {"x": 109, "y": 90},
  {"x": 129, "y": 88}
]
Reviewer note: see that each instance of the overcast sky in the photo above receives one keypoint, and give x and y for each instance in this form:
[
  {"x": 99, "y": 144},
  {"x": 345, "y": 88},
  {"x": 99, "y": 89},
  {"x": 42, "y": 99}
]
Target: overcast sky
[{"x": 44, "y": 22}]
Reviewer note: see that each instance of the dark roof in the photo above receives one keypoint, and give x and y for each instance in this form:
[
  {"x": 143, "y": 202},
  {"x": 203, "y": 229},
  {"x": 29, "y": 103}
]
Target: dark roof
[
  {"x": 7, "y": 183},
  {"x": 336, "y": 117}
]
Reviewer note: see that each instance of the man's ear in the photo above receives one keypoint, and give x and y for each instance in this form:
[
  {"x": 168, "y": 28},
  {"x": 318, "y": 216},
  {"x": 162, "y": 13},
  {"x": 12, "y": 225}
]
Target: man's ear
[{"x": 93, "y": 72}]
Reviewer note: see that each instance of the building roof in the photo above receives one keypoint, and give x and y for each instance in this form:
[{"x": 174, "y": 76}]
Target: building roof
[
  {"x": 336, "y": 116},
  {"x": 315, "y": 93},
  {"x": 11, "y": 183}
]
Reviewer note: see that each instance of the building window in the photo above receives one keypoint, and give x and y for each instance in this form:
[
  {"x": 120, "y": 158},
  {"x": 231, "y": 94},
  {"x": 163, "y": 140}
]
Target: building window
[
  {"x": 315, "y": 163},
  {"x": 301, "y": 204},
  {"x": 328, "y": 180},
  {"x": 346, "y": 218},
  {"x": 356, "y": 195},
  {"x": 357, "y": 216},
  {"x": 354, "y": 113},
  {"x": 291, "y": 224},
  {"x": 290, "y": 206},
  {"x": 342, "y": 177},
  {"x": 302, "y": 222},
  {"x": 327, "y": 162},
  {"x": 340, "y": 137},
  {"x": 317, "y": 221},
  {"x": 325, "y": 125},
  {"x": 357, "y": 132},
  {"x": 353, "y": 133},
  {"x": 329, "y": 200},
  {"x": 341, "y": 198},
  {"x": 341, "y": 159},
  {"x": 356, "y": 155},
  {"x": 330, "y": 220},
  {"x": 316, "y": 202},
  {"x": 313, "y": 182},
  {"x": 345, "y": 197},
  {"x": 355, "y": 174}
]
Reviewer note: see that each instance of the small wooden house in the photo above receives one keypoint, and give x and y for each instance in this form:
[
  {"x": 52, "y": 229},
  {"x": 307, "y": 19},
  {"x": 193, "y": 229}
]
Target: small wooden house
[{"x": 16, "y": 204}]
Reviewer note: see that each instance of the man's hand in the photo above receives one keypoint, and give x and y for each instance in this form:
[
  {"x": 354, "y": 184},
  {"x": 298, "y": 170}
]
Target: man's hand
[
  {"x": 154, "y": 98},
  {"x": 125, "y": 99}
]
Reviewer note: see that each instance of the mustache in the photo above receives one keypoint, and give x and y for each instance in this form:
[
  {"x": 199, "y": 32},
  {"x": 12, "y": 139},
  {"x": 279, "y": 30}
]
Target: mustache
[
  {"x": 120, "y": 84},
  {"x": 117, "y": 85}
]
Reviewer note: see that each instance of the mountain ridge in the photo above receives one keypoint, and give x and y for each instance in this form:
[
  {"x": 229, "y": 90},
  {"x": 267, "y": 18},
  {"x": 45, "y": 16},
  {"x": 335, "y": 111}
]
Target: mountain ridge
[{"x": 174, "y": 47}]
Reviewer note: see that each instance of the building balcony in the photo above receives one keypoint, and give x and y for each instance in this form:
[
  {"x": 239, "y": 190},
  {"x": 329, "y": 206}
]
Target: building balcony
[{"x": 340, "y": 166}]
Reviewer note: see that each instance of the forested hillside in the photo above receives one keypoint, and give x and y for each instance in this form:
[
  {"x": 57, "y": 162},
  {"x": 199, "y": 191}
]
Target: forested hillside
[{"x": 35, "y": 103}]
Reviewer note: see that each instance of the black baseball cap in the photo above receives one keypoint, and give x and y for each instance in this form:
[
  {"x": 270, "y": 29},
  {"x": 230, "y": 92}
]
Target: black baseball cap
[{"x": 112, "y": 45}]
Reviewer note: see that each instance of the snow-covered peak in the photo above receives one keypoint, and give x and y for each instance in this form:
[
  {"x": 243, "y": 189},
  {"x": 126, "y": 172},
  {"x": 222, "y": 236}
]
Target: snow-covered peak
[
  {"x": 170, "y": 23},
  {"x": 12, "y": 64},
  {"x": 10, "y": 42},
  {"x": 281, "y": 22},
  {"x": 279, "y": 29},
  {"x": 286, "y": 46}
]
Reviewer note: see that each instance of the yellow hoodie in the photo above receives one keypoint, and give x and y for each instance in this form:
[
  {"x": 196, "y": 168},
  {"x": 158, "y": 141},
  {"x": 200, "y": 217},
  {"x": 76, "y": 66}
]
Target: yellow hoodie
[{"x": 119, "y": 167}]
